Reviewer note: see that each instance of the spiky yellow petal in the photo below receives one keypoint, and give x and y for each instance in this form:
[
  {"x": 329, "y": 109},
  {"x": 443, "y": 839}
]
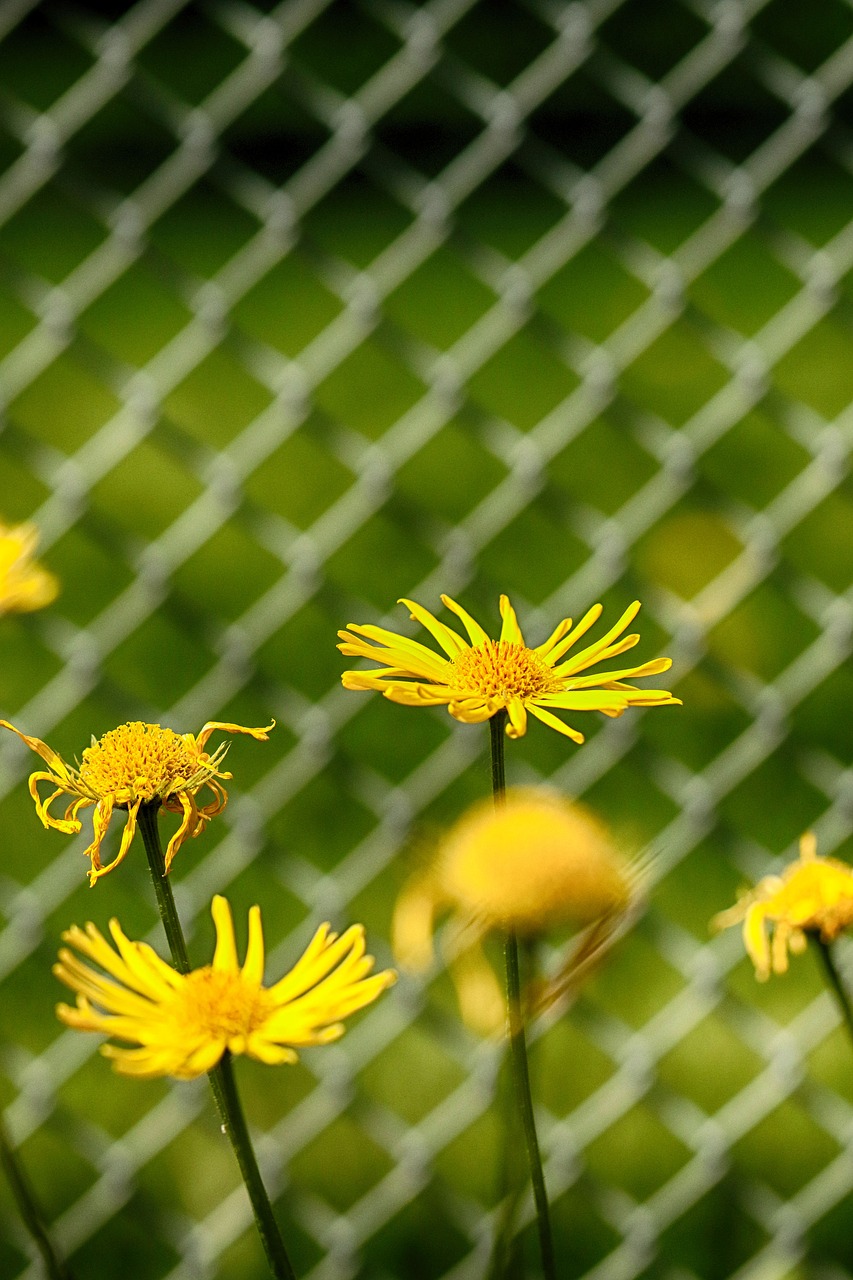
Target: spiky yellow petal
[
  {"x": 181, "y": 1024},
  {"x": 477, "y": 678}
]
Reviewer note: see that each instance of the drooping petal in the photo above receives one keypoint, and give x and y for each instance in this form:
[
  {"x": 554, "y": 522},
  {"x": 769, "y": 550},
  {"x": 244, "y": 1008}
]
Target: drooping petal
[
  {"x": 516, "y": 719},
  {"x": 472, "y": 710},
  {"x": 101, "y": 815},
  {"x": 51, "y": 757},
  {"x": 755, "y": 940},
  {"x": 779, "y": 946},
  {"x": 261, "y": 734},
  {"x": 126, "y": 838},
  {"x": 412, "y": 925},
  {"x": 68, "y": 826},
  {"x": 188, "y": 827},
  {"x": 554, "y": 723}
]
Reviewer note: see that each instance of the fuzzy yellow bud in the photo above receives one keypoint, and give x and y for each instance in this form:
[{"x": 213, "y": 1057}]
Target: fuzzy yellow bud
[{"x": 536, "y": 861}]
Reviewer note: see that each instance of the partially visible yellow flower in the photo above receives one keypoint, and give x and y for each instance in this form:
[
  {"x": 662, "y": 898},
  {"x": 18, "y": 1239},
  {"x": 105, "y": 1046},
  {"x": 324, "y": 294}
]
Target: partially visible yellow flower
[
  {"x": 477, "y": 679},
  {"x": 182, "y": 1024},
  {"x": 133, "y": 765},
  {"x": 812, "y": 895},
  {"x": 24, "y": 584},
  {"x": 536, "y": 862}
]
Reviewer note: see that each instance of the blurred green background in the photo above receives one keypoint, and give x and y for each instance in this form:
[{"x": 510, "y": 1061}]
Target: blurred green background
[{"x": 309, "y": 307}]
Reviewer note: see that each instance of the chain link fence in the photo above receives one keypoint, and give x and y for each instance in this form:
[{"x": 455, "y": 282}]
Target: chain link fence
[{"x": 309, "y": 306}]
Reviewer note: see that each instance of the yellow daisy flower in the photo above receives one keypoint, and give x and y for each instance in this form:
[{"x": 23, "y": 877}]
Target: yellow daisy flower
[
  {"x": 133, "y": 765},
  {"x": 182, "y": 1024},
  {"x": 24, "y": 584},
  {"x": 812, "y": 895},
  {"x": 536, "y": 862},
  {"x": 477, "y": 679}
]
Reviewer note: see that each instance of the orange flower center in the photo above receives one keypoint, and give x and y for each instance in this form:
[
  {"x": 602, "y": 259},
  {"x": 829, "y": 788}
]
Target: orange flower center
[
  {"x": 137, "y": 760},
  {"x": 500, "y": 669},
  {"x": 217, "y": 1002}
]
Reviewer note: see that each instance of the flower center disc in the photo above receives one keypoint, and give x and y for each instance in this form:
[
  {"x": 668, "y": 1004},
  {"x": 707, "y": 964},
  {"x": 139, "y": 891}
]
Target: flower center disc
[
  {"x": 138, "y": 760},
  {"x": 500, "y": 669},
  {"x": 219, "y": 1003}
]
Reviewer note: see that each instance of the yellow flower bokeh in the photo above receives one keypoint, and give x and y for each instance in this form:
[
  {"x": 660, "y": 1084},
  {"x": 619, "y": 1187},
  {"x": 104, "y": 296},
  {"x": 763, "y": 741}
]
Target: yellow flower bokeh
[
  {"x": 534, "y": 863},
  {"x": 812, "y": 895},
  {"x": 24, "y": 584}
]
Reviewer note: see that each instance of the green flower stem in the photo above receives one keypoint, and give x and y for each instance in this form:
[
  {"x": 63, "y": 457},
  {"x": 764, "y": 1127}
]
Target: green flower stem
[
  {"x": 834, "y": 978},
  {"x": 148, "y": 825},
  {"x": 517, "y": 1037},
  {"x": 222, "y": 1075},
  {"x": 496, "y": 742},
  {"x": 29, "y": 1209}
]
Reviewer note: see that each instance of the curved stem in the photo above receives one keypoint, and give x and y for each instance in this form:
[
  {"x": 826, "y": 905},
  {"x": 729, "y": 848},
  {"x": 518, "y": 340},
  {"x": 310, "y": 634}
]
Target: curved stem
[
  {"x": 518, "y": 1040},
  {"x": 29, "y": 1209},
  {"x": 222, "y": 1075},
  {"x": 834, "y": 979}
]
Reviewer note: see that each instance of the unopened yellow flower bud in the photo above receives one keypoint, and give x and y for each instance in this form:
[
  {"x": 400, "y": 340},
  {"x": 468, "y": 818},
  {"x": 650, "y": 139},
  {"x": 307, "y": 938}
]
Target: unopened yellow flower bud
[{"x": 536, "y": 861}]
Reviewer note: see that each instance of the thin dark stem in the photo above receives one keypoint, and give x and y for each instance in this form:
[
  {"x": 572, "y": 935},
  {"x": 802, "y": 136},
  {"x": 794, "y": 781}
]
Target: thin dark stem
[
  {"x": 496, "y": 742},
  {"x": 518, "y": 1044},
  {"x": 834, "y": 977},
  {"x": 222, "y": 1075},
  {"x": 148, "y": 825},
  {"x": 29, "y": 1209},
  {"x": 521, "y": 1071},
  {"x": 234, "y": 1124}
]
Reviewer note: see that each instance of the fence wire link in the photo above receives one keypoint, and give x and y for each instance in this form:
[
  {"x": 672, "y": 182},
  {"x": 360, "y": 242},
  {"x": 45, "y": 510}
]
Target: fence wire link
[{"x": 351, "y": 136}]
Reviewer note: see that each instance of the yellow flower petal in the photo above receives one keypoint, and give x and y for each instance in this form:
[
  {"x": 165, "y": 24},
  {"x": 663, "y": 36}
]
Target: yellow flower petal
[
  {"x": 181, "y": 1024},
  {"x": 134, "y": 765},
  {"x": 812, "y": 896},
  {"x": 478, "y": 679}
]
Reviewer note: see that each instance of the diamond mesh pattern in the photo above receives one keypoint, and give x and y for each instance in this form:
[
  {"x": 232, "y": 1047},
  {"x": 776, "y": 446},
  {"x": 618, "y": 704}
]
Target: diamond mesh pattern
[{"x": 304, "y": 307}]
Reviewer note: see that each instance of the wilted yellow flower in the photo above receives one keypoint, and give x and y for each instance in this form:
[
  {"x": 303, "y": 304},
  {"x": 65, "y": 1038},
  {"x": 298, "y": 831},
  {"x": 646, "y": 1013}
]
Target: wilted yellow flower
[
  {"x": 133, "y": 765},
  {"x": 24, "y": 584},
  {"x": 477, "y": 679},
  {"x": 535, "y": 862},
  {"x": 812, "y": 895},
  {"x": 181, "y": 1024}
]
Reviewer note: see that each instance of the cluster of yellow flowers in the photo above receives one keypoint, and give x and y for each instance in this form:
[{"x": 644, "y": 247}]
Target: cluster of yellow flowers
[
  {"x": 534, "y": 862},
  {"x": 518, "y": 866}
]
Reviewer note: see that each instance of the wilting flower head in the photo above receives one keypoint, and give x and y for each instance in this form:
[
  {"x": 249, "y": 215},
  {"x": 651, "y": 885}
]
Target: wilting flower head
[
  {"x": 477, "y": 679},
  {"x": 133, "y": 765},
  {"x": 535, "y": 862},
  {"x": 812, "y": 895},
  {"x": 24, "y": 584},
  {"x": 181, "y": 1024}
]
